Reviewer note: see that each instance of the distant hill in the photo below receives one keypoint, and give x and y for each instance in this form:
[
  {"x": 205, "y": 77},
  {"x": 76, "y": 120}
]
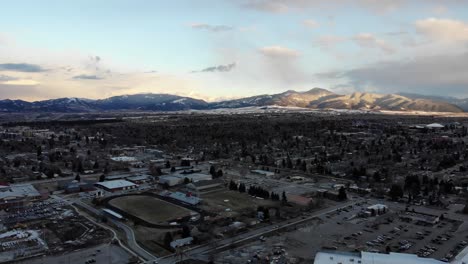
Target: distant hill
[
  {"x": 316, "y": 98},
  {"x": 462, "y": 103}
]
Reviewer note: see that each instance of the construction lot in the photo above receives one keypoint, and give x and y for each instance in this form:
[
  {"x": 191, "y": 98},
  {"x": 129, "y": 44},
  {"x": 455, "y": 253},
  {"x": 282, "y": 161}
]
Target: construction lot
[
  {"x": 150, "y": 209},
  {"x": 107, "y": 253},
  {"x": 344, "y": 231},
  {"x": 47, "y": 227}
]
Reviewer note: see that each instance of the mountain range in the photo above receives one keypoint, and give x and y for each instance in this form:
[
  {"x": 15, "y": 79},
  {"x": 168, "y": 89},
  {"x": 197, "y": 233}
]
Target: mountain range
[{"x": 315, "y": 98}]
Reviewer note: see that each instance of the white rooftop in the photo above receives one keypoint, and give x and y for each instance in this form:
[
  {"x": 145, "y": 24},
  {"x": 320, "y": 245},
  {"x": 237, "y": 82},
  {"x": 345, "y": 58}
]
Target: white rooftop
[
  {"x": 124, "y": 159},
  {"x": 435, "y": 125},
  {"x": 370, "y": 258},
  {"x": 116, "y": 184},
  {"x": 377, "y": 207},
  {"x": 18, "y": 191}
]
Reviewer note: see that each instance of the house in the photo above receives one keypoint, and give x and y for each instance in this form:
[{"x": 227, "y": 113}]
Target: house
[
  {"x": 181, "y": 242},
  {"x": 116, "y": 185}
]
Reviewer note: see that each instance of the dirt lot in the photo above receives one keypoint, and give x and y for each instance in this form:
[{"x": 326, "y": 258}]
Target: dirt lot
[
  {"x": 152, "y": 239},
  {"x": 232, "y": 201},
  {"x": 149, "y": 208}
]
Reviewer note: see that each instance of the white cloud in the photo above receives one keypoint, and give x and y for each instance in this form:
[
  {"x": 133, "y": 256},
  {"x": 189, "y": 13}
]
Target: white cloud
[
  {"x": 439, "y": 10},
  {"x": 278, "y": 52},
  {"x": 310, "y": 23},
  {"x": 212, "y": 28},
  {"x": 22, "y": 82},
  {"x": 282, "y": 6},
  {"x": 368, "y": 40},
  {"x": 447, "y": 30}
]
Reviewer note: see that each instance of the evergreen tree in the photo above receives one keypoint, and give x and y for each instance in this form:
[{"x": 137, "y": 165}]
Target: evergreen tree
[
  {"x": 284, "y": 199},
  {"x": 342, "y": 194},
  {"x": 168, "y": 239}
]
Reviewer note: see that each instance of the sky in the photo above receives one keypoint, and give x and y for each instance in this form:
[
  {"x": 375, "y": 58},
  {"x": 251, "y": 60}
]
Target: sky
[{"x": 223, "y": 49}]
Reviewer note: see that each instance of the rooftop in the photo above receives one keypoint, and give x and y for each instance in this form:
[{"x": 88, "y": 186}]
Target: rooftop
[
  {"x": 116, "y": 184},
  {"x": 18, "y": 191},
  {"x": 370, "y": 258}
]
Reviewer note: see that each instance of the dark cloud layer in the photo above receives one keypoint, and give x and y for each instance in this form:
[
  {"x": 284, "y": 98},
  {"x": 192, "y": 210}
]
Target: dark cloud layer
[
  {"x": 219, "y": 68},
  {"x": 88, "y": 77},
  {"x": 21, "y": 67},
  {"x": 438, "y": 75}
]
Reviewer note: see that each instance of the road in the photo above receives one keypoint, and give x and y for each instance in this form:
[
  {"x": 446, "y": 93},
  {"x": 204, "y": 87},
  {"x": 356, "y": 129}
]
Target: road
[
  {"x": 217, "y": 245},
  {"x": 135, "y": 249},
  {"x": 130, "y": 235}
]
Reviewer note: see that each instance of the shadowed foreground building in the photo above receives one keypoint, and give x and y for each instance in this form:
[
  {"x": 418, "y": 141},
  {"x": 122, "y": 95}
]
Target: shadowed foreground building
[{"x": 371, "y": 258}]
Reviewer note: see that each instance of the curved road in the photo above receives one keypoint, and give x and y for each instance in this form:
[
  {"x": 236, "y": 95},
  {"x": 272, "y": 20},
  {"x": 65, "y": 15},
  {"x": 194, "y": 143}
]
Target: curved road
[{"x": 130, "y": 236}]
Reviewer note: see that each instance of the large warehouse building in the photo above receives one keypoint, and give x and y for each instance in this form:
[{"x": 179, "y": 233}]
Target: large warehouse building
[
  {"x": 18, "y": 195},
  {"x": 370, "y": 258},
  {"x": 116, "y": 185}
]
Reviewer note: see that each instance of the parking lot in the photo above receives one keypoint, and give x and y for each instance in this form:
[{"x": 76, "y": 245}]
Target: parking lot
[
  {"x": 344, "y": 230},
  {"x": 36, "y": 211}
]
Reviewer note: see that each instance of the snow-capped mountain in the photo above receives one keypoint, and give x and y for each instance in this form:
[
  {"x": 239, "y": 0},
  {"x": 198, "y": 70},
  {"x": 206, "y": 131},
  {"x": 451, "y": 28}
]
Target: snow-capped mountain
[{"x": 316, "y": 98}]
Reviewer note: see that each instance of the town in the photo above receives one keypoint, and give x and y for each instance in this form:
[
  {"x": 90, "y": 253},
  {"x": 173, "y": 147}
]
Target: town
[{"x": 265, "y": 187}]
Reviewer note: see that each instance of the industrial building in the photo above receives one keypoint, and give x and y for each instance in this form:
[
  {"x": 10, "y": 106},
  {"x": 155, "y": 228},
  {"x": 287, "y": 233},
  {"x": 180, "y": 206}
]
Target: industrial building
[
  {"x": 187, "y": 198},
  {"x": 176, "y": 179},
  {"x": 421, "y": 218},
  {"x": 139, "y": 179},
  {"x": 195, "y": 177},
  {"x": 170, "y": 180},
  {"x": 116, "y": 185},
  {"x": 18, "y": 195},
  {"x": 204, "y": 185}
]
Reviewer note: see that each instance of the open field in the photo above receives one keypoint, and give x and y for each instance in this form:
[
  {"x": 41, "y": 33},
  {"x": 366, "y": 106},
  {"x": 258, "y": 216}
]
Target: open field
[
  {"x": 149, "y": 208},
  {"x": 232, "y": 201}
]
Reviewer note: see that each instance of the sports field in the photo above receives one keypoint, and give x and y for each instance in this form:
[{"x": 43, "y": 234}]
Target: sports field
[{"x": 150, "y": 209}]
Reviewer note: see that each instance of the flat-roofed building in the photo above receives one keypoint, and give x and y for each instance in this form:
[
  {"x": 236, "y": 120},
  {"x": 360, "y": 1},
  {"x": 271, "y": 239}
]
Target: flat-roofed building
[
  {"x": 370, "y": 258},
  {"x": 18, "y": 195},
  {"x": 422, "y": 218},
  {"x": 116, "y": 185},
  {"x": 139, "y": 179}
]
